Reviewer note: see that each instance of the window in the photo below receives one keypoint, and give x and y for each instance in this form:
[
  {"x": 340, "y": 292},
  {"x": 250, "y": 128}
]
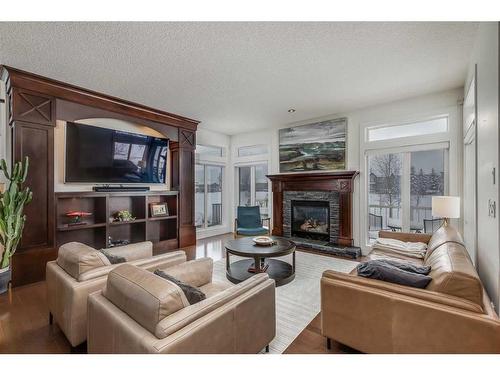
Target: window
[
  {"x": 252, "y": 150},
  {"x": 431, "y": 126},
  {"x": 400, "y": 189},
  {"x": 208, "y": 195},
  {"x": 209, "y": 150},
  {"x": 253, "y": 187}
]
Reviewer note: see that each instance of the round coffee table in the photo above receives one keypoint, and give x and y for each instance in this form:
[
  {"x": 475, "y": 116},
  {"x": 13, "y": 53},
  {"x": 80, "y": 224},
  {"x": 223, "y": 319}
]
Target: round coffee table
[{"x": 281, "y": 272}]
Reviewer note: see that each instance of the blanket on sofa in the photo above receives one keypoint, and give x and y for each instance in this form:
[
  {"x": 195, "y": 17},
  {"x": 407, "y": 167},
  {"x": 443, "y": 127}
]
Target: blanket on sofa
[{"x": 409, "y": 249}]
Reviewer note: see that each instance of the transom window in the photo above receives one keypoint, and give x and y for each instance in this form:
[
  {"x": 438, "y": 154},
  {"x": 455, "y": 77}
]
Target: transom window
[
  {"x": 419, "y": 128},
  {"x": 209, "y": 150},
  {"x": 252, "y": 150}
]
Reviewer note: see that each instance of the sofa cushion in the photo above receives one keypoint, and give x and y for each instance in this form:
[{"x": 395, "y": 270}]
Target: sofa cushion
[
  {"x": 252, "y": 231},
  {"x": 76, "y": 258},
  {"x": 144, "y": 296},
  {"x": 443, "y": 235},
  {"x": 197, "y": 272},
  {"x": 193, "y": 294},
  {"x": 212, "y": 289},
  {"x": 452, "y": 272}
]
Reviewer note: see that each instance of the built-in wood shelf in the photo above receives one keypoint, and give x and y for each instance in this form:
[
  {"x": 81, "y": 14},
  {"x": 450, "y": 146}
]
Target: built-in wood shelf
[
  {"x": 162, "y": 218},
  {"x": 127, "y": 222},
  {"x": 163, "y": 231},
  {"x": 80, "y": 227}
]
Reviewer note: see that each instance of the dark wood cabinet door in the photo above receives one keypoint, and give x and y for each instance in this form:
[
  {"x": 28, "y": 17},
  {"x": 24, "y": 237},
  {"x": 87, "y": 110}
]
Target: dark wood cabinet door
[{"x": 37, "y": 142}]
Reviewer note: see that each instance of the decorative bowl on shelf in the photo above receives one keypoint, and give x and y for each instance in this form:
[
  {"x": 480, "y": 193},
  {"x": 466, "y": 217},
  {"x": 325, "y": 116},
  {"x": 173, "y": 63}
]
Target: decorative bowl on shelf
[{"x": 263, "y": 241}]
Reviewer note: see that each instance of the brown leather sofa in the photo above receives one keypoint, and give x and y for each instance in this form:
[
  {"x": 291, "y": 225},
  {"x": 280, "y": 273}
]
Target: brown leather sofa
[
  {"x": 452, "y": 315},
  {"x": 80, "y": 270},
  {"x": 140, "y": 312}
]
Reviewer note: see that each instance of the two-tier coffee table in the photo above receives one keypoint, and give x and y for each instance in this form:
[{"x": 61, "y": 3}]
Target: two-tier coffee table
[{"x": 260, "y": 260}]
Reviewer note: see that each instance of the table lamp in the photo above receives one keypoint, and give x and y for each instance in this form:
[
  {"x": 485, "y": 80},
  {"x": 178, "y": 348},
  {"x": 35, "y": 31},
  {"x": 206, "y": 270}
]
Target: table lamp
[{"x": 446, "y": 207}]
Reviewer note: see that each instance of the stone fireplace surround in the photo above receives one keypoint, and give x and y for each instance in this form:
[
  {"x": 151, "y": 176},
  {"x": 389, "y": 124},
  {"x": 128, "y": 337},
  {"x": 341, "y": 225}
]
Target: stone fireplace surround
[
  {"x": 336, "y": 187},
  {"x": 331, "y": 197}
]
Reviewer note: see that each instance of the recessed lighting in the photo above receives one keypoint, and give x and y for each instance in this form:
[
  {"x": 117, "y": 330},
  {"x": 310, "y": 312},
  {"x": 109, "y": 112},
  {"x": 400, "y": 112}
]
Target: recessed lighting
[{"x": 291, "y": 110}]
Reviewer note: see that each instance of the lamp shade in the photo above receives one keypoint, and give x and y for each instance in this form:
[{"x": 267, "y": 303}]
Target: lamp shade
[{"x": 446, "y": 207}]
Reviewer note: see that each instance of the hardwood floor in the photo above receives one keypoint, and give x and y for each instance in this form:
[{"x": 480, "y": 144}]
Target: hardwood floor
[{"x": 24, "y": 323}]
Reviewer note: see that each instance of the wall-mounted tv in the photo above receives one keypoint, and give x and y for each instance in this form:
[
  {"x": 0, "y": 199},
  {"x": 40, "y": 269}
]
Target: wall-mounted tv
[{"x": 100, "y": 155}]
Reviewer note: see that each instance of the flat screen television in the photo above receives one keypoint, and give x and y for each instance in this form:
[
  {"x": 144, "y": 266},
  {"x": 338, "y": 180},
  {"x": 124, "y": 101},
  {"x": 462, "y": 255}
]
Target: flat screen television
[{"x": 100, "y": 155}]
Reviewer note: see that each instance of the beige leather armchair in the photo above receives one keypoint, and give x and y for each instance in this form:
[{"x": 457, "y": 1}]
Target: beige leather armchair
[
  {"x": 80, "y": 270},
  {"x": 452, "y": 315},
  {"x": 140, "y": 312}
]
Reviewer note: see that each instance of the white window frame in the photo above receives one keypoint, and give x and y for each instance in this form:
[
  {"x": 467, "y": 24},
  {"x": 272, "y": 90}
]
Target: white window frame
[
  {"x": 252, "y": 184},
  {"x": 448, "y": 140},
  {"x": 205, "y": 201}
]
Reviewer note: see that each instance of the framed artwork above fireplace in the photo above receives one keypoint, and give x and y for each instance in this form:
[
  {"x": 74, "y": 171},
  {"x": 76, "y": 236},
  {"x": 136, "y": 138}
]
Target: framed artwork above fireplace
[{"x": 319, "y": 146}]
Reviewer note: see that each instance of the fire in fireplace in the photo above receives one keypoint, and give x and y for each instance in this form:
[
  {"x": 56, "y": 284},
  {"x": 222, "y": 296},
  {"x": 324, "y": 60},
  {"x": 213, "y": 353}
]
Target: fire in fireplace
[{"x": 311, "y": 219}]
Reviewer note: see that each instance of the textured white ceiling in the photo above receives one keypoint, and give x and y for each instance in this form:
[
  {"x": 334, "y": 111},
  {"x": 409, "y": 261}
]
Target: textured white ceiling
[{"x": 238, "y": 77}]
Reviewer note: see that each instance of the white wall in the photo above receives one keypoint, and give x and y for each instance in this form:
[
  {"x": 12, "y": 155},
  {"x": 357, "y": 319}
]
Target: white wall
[
  {"x": 485, "y": 55},
  {"x": 59, "y": 151},
  {"x": 399, "y": 111}
]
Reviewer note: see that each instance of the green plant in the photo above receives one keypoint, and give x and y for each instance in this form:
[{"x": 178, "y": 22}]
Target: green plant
[
  {"x": 124, "y": 215},
  {"x": 12, "y": 203}
]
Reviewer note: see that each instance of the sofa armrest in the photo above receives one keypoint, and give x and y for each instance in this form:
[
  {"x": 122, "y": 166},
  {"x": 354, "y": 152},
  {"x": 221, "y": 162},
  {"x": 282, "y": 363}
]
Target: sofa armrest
[
  {"x": 196, "y": 272},
  {"x": 405, "y": 237},
  {"x": 133, "y": 251},
  {"x": 375, "y": 319}
]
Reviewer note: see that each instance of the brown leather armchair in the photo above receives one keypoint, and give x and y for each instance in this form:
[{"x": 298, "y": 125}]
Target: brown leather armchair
[
  {"x": 140, "y": 312},
  {"x": 452, "y": 315},
  {"x": 80, "y": 270}
]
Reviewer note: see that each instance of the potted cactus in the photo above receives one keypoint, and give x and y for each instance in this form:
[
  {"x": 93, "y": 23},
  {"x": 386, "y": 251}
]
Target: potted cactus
[{"x": 12, "y": 202}]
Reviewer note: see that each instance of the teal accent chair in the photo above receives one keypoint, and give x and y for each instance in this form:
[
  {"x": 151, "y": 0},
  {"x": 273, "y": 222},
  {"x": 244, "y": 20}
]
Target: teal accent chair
[{"x": 249, "y": 223}]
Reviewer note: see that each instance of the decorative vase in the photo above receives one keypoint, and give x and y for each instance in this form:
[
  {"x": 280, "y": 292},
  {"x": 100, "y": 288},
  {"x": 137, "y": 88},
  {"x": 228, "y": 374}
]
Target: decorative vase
[{"x": 5, "y": 277}]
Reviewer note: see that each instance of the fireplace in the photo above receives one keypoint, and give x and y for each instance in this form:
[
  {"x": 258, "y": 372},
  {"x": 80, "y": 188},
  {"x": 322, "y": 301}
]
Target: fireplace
[{"x": 311, "y": 219}]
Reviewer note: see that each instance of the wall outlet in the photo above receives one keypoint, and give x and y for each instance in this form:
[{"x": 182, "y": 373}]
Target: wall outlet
[{"x": 492, "y": 208}]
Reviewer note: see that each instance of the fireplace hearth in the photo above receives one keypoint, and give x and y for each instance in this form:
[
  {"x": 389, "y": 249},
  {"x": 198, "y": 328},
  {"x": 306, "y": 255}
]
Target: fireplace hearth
[{"x": 311, "y": 219}]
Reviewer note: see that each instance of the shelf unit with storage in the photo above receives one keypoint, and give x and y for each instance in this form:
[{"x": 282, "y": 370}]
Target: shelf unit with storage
[{"x": 98, "y": 228}]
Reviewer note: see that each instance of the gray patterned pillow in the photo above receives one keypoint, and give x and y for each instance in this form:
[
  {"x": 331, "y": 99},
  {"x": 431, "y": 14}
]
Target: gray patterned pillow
[
  {"x": 113, "y": 259},
  {"x": 386, "y": 272},
  {"x": 193, "y": 295}
]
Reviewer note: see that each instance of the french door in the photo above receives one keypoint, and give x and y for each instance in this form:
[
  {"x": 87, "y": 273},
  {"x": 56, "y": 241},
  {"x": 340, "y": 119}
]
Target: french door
[
  {"x": 401, "y": 184},
  {"x": 208, "y": 195},
  {"x": 253, "y": 188}
]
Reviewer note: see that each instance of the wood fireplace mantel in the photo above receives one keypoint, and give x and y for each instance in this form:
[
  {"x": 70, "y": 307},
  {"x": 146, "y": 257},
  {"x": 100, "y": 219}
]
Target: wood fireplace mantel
[{"x": 341, "y": 182}]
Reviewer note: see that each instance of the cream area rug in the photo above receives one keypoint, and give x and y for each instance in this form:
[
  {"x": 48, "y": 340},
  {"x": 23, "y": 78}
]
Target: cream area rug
[{"x": 298, "y": 302}]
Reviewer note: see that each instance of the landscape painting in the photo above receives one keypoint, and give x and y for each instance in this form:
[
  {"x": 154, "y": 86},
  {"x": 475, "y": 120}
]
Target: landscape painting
[{"x": 319, "y": 146}]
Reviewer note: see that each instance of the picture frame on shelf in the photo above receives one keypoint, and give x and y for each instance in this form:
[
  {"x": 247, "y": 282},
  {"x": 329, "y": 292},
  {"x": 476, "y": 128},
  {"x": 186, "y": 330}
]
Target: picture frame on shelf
[{"x": 158, "y": 209}]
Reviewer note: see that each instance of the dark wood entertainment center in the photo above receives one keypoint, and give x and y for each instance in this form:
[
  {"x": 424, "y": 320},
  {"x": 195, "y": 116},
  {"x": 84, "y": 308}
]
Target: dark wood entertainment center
[
  {"x": 163, "y": 231},
  {"x": 34, "y": 104}
]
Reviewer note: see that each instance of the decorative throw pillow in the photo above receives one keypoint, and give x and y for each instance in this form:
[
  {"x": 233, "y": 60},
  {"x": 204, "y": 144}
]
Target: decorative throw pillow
[
  {"x": 392, "y": 274},
  {"x": 113, "y": 259},
  {"x": 193, "y": 295},
  {"x": 405, "y": 266}
]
